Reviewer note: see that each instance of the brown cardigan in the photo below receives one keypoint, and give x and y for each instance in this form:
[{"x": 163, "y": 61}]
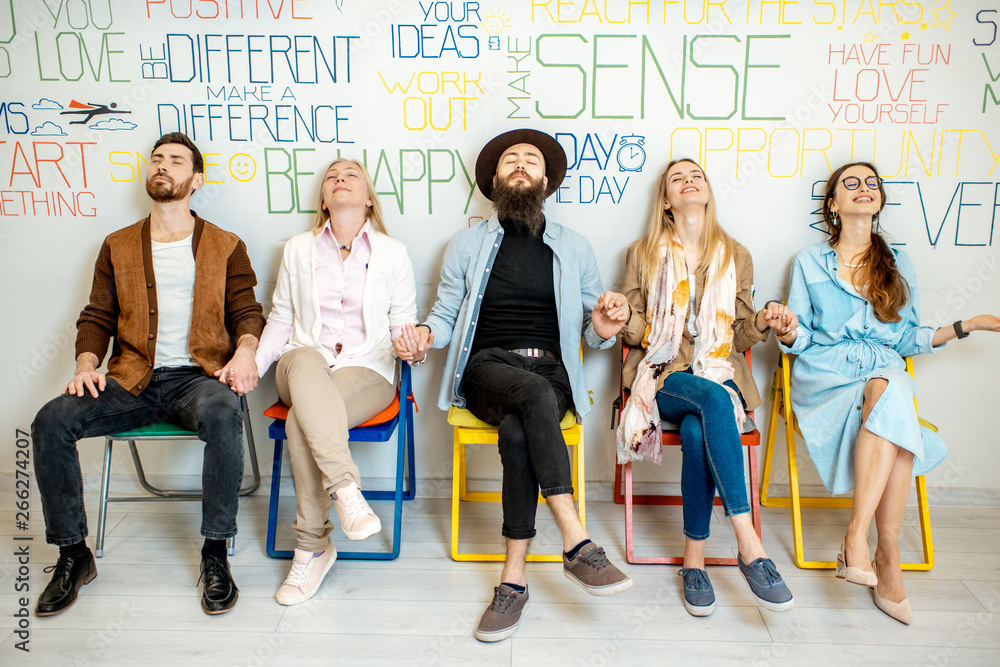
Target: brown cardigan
[
  {"x": 123, "y": 302},
  {"x": 745, "y": 334}
]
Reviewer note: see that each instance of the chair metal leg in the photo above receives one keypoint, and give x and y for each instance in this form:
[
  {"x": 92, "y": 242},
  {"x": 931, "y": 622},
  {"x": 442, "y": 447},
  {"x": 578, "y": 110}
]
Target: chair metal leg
[
  {"x": 782, "y": 406},
  {"x": 163, "y": 493},
  {"x": 581, "y": 491},
  {"x": 272, "y": 511},
  {"x": 251, "y": 449},
  {"x": 405, "y": 456},
  {"x": 754, "y": 488},
  {"x": 103, "y": 512},
  {"x": 629, "y": 546},
  {"x": 619, "y": 494},
  {"x": 396, "y": 496},
  {"x": 461, "y": 493},
  {"x": 927, "y": 539},
  {"x": 411, "y": 483},
  {"x": 632, "y": 499},
  {"x": 187, "y": 493},
  {"x": 457, "y": 491},
  {"x": 769, "y": 443}
]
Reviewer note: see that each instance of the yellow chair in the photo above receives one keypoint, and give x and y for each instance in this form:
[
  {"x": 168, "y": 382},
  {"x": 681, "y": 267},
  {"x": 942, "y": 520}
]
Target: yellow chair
[
  {"x": 781, "y": 405},
  {"x": 469, "y": 430}
]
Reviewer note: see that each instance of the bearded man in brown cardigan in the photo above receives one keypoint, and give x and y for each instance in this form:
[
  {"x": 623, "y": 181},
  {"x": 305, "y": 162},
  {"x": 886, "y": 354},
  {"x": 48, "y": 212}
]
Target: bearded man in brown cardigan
[{"x": 175, "y": 295}]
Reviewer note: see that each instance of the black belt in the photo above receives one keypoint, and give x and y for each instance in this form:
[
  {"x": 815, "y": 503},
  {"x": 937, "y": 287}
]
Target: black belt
[{"x": 534, "y": 352}]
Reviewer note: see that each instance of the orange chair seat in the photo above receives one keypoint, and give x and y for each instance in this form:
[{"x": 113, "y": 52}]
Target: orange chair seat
[{"x": 280, "y": 411}]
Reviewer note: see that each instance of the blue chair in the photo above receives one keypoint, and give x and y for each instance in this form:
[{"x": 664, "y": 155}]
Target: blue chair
[{"x": 379, "y": 428}]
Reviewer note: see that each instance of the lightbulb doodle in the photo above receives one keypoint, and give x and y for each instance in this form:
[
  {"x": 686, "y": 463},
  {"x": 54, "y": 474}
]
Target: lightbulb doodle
[{"x": 494, "y": 23}]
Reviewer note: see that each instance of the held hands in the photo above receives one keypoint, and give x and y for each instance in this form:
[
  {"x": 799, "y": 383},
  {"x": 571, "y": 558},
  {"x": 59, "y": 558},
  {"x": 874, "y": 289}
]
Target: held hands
[
  {"x": 611, "y": 312},
  {"x": 241, "y": 371},
  {"x": 86, "y": 377},
  {"x": 413, "y": 343},
  {"x": 780, "y": 318}
]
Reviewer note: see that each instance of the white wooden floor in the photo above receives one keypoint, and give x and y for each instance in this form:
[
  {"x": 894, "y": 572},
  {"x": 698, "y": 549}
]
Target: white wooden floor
[{"x": 143, "y": 608}]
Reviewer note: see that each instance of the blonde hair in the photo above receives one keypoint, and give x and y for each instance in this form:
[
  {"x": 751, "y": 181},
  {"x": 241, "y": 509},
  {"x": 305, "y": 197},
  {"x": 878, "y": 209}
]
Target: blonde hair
[
  {"x": 661, "y": 230},
  {"x": 374, "y": 212}
]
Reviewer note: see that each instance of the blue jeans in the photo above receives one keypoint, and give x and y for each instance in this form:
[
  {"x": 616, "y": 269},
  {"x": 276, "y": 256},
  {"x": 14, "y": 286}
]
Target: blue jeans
[
  {"x": 710, "y": 446},
  {"x": 183, "y": 396},
  {"x": 527, "y": 398}
]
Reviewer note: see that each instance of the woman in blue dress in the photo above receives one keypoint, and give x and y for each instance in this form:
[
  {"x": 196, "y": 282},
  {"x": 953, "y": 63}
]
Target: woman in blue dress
[{"x": 856, "y": 302}]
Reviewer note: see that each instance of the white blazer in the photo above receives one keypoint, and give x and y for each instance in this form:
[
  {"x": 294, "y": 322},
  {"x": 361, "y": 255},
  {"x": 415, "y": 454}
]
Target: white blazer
[{"x": 390, "y": 299}]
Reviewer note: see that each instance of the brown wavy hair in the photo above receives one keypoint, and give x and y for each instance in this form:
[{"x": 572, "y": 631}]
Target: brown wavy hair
[
  {"x": 661, "y": 230},
  {"x": 881, "y": 282}
]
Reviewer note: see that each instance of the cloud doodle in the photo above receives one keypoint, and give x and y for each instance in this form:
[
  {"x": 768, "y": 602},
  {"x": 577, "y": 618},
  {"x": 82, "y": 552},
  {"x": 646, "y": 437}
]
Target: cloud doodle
[
  {"x": 48, "y": 129},
  {"x": 113, "y": 124},
  {"x": 45, "y": 104}
]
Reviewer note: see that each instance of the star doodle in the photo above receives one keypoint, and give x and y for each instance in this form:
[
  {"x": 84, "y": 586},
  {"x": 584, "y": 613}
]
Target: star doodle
[{"x": 944, "y": 9}]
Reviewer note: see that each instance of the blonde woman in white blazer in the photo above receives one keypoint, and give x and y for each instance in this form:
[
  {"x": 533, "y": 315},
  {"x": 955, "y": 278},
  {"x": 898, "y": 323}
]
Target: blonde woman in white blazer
[{"x": 345, "y": 290}]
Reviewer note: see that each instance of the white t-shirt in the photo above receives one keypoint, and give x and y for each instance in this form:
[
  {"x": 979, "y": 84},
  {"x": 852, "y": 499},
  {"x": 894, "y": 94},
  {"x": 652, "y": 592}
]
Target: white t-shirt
[
  {"x": 173, "y": 265},
  {"x": 692, "y": 313}
]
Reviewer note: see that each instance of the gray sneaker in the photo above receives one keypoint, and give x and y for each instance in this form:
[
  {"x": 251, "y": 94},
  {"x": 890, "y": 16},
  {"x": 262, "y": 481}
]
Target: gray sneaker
[
  {"x": 766, "y": 584},
  {"x": 699, "y": 596},
  {"x": 591, "y": 569},
  {"x": 500, "y": 619}
]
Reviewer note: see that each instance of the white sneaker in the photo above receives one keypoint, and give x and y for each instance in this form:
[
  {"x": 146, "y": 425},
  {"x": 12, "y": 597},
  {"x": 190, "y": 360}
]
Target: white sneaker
[
  {"x": 356, "y": 517},
  {"x": 306, "y": 575}
]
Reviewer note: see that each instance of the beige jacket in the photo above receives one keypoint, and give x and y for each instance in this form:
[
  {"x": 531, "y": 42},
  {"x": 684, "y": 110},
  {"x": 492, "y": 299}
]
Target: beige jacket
[{"x": 745, "y": 334}]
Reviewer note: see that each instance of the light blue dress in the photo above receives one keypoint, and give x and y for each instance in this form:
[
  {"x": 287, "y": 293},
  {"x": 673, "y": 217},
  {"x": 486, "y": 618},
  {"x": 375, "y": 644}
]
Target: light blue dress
[{"x": 841, "y": 346}]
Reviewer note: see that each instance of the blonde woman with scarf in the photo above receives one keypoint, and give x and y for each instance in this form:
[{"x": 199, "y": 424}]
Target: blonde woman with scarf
[{"x": 690, "y": 288}]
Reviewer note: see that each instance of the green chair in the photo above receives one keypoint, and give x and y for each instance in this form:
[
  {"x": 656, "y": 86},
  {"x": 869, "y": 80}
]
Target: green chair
[{"x": 163, "y": 431}]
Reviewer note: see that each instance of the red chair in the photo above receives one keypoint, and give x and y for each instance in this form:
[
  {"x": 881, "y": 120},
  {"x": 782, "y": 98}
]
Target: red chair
[{"x": 671, "y": 436}]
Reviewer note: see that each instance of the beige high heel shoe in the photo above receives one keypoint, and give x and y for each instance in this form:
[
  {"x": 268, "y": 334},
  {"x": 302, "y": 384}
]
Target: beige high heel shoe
[
  {"x": 855, "y": 575},
  {"x": 898, "y": 610}
]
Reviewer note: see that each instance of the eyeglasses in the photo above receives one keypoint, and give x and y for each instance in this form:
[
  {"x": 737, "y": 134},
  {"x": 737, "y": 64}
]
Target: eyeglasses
[{"x": 853, "y": 182}]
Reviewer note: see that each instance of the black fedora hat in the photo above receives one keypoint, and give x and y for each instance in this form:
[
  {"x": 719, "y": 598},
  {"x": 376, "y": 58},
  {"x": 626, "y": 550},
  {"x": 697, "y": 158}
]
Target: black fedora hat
[{"x": 555, "y": 158}]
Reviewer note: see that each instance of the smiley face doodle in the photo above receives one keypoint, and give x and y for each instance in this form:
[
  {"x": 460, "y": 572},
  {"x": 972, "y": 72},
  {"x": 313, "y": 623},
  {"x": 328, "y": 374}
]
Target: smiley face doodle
[{"x": 242, "y": 167}]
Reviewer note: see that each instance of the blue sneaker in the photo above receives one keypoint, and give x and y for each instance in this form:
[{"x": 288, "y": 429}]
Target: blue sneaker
[
  {"x": 699, "y": 598},
  {"x": 766, "y": 584}
]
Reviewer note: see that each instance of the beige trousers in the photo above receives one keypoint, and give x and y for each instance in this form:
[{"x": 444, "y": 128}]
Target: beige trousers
[{"x": 323, "y": 404}]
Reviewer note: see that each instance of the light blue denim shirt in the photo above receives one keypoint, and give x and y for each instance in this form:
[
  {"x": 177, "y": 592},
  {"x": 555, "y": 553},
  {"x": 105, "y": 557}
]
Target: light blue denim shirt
[
  {"x": 830, "y": 311},
  {"x": 841, "y": 346},
  {"x": 464, "y": 273}
]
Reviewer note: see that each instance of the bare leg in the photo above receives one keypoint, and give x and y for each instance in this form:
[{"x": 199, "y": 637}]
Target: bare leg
[
  {"x": 874, "y": 458},
  {"x": 746, "y": 541},
  {"x": 694, "y": 553},
  {"x": 517, "y": 556},
  {"x": 888, "y": 518},
  {"x": 568, "y": 520},
  {"x": 746, "y": 537}
]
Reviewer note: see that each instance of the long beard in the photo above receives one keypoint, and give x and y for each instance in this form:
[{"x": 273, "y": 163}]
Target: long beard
[
  {"x": 167, "y": 192},
  {"x": 521, "y": 205}
]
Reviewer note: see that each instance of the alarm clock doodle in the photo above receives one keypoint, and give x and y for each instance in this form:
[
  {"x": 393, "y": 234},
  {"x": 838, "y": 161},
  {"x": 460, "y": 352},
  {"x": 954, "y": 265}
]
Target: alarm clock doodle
[{"x": 631, "y": 155}]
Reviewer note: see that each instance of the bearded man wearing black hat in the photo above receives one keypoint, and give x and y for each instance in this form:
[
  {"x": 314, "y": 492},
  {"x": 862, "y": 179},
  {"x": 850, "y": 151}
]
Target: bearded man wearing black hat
[{"x": 517, "y": 292}]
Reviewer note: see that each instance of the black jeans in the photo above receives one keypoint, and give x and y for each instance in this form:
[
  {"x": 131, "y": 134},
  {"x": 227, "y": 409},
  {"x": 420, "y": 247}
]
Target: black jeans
[
  {"x": 526, "y": 398},
  {"x": 183, "y": 396}
]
